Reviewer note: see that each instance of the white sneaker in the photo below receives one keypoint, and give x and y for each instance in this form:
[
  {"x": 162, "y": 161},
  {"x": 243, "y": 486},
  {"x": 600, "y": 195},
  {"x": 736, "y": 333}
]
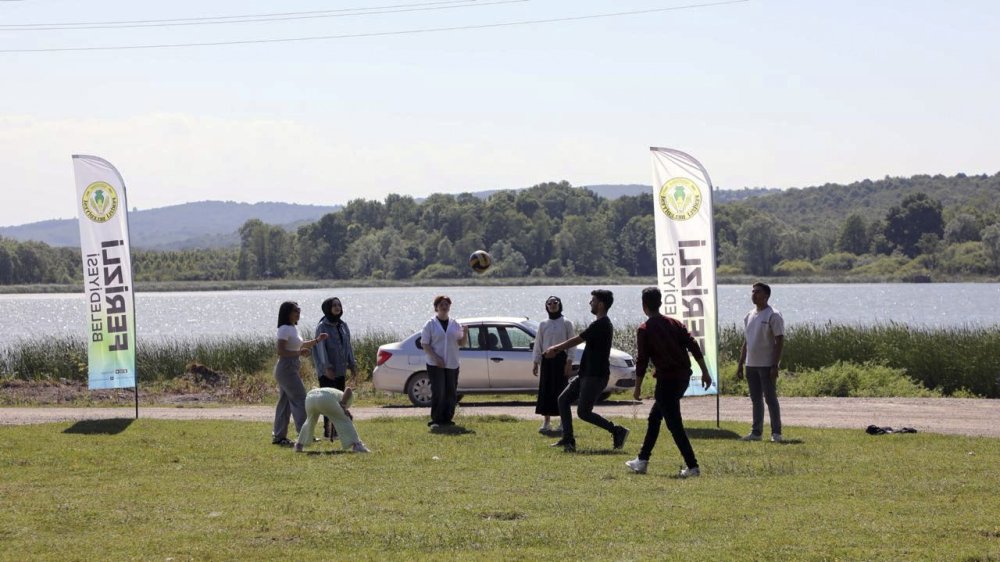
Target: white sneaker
[
  {"x": 637, "y": 465},
  {"x": 359, "y": 447},
  {"x": 689, "y": 472},
  {"x": 776, "y": 437},
  {"x": 750, "y": 437}
]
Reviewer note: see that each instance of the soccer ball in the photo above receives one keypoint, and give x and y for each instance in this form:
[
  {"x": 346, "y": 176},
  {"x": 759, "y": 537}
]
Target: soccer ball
[{"x": 480, "y": 261}]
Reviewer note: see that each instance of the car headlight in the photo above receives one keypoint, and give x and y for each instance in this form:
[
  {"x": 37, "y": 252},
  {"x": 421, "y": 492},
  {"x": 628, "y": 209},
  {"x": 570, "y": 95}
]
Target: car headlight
[{"x": 624, "y": 362}]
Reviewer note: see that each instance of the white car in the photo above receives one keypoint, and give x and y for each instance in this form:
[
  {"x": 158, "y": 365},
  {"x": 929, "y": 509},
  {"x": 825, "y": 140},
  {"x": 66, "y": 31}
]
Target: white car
[{"x": 497, "y": 359}]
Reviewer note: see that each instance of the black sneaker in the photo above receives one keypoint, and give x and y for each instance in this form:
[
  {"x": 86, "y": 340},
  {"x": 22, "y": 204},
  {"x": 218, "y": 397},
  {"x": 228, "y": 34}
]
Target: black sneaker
[
  {"x": 568, "y": 445},
  {"x": 283, "y": 442},
  {"x": 619, "y": 435}
]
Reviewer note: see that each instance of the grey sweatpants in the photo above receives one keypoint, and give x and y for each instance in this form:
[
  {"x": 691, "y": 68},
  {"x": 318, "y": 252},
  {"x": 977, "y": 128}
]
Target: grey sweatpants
[{"x": 291, "y": 397}]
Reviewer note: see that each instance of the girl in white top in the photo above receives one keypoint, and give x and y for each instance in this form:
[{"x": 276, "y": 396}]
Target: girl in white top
[
  {"x": 555, "y": 372},
  {"x": 291, "y": 392}
]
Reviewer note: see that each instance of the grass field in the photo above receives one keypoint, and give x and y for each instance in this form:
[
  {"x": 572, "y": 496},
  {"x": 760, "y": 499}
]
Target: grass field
[{"x": 494, "y": 490}]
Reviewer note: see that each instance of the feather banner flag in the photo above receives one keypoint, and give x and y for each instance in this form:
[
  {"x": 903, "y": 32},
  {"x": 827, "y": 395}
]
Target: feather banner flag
[
  {"x": 107, "y": 273},
  {"x": 685, "y": 253}
]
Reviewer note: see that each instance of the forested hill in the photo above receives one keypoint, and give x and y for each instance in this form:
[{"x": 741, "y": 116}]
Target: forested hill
[
  {"x": 204, "y": 224},
  {"x": 826, "y": 206}
]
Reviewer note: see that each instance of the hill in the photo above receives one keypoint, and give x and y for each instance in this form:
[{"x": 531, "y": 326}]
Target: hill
[
  {"x": 828, "y": 205},
  {"x": 204, "y": 224}
]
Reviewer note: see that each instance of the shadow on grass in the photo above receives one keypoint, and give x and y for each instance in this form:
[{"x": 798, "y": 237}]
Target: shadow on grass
[
  {"x": 100, "y": 427},
  {"x": 451, "y": 430},
  {"x": 710, "y": 433}
]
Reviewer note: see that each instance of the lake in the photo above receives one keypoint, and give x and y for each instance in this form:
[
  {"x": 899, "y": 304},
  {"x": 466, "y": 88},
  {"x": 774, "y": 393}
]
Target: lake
[{"x": 214, "y": 315}]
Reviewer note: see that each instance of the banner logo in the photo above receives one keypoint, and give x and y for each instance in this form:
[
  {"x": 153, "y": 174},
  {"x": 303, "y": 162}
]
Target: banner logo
[
  {"x": 100, "y": 202},
  {"x": 680, "y": 199}
]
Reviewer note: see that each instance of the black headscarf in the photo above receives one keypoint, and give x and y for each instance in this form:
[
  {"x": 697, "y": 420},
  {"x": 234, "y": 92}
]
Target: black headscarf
[
  {"x": 558, "y": 313},
  {"x": 327, "y": 308}
]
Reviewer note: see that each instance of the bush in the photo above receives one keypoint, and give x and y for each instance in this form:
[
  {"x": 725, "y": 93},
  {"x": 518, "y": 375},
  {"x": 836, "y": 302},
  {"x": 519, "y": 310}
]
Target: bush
[
  {"x": 844, "y": 379},
  {"x": 438, "y": 271},
  {"x": 794, "y": 267},
  {"x": 839, "y": 261}
]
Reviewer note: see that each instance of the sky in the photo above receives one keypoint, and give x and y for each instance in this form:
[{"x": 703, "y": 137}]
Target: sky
[{"x": 417, "y": 97}]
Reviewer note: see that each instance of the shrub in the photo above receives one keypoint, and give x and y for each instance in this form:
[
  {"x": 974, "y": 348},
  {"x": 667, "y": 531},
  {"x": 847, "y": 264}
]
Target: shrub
[
  {"x": 839, "y": 261},
  {"x": 794, "y": 267}
]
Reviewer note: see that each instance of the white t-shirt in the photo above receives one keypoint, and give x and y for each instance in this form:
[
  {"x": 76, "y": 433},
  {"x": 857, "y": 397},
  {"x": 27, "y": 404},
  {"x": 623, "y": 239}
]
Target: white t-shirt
[
  {"x": 760, "y": 328},
  {"x": 291, "y": 336}
]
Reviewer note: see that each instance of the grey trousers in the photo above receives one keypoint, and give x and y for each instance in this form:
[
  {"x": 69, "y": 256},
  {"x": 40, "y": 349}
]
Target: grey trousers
[
  {"x": 291, "y": 397},
  {"x": 586, "y": 391},
  {"x": 762, "y": 389}
]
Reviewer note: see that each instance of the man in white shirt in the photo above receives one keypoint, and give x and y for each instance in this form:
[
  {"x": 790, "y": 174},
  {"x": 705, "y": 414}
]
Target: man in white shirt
[{"x": 764, "y": 338}]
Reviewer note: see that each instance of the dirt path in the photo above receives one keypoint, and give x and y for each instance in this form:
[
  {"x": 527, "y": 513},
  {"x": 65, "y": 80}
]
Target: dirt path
[{"x": 932, "y": 415}]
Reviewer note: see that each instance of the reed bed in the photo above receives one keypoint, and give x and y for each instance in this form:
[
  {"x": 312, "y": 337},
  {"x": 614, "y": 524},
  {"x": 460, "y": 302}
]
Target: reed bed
[{"x": 893, "y": 357}]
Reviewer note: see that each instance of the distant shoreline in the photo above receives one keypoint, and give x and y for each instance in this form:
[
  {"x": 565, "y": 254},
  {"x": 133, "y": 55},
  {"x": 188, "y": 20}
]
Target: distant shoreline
[{"x": 297, "y": 284}]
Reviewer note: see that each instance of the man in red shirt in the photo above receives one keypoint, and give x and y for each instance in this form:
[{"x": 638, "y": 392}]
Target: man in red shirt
[{"x": 666, "y": 342}]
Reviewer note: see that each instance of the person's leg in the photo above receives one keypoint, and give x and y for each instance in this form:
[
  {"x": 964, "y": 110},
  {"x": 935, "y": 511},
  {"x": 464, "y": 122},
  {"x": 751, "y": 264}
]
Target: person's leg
[
  {"x": 312, "y": 416},
  {"x": 652, "y": 432},
  {"x": 669, "y": 400},
  {"x": 325, "y": 382},
  {"x": 450, "y": 394},
  {"x": 770, "y": 392},
  {"x": 566, "y": 398},
  {"x": 590, "y": 390},
  {"x": 282, "y": 410},
  {"x": 345, "y": 427},
  {"x": 756, "y": 399},
  {"x": 296, "y": 392},
  {"x": 436, "y": 375}
]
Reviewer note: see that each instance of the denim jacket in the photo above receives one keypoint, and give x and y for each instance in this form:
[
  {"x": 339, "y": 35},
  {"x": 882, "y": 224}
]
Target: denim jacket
[{"x": 336, "y": 352}]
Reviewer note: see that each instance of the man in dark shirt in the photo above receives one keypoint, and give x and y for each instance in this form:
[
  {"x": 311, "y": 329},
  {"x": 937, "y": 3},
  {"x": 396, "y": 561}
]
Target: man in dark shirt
[
  {"x": 595, "y": 369},
  {"x": 666, "y": 342}
]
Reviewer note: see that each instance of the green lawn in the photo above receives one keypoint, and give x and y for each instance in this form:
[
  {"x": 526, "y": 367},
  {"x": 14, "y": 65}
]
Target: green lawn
[{"x": 167, "y": 490}]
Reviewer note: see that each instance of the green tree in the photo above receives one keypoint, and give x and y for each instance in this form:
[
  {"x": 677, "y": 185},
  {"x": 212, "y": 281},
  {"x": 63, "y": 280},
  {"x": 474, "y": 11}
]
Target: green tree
[
  {"x": 759, "y": 241},
  {"x": 963, "y": 228},
  {"x": 991, "y": 243},
  {"x": 853, "y": 237},
  {"x": 917, "y": 215}
]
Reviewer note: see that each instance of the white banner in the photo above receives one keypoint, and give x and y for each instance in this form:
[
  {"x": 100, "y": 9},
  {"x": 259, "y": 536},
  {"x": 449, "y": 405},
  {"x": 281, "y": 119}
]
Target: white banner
[
  {"x": 685, "y": 253},
  {"x": 107, "y": 273}
]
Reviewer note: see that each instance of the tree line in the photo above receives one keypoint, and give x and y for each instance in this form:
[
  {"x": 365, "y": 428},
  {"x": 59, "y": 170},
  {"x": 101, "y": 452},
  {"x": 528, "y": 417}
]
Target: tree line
[{"x": 556, "y": 230}]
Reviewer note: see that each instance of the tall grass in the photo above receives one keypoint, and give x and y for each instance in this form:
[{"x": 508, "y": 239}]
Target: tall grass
[{"x": 946, "y": 360}]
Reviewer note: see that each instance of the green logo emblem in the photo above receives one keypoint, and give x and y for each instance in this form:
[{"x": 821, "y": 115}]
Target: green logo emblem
[
  {"x": 100, "y": 202},
  {"x": 680, "y": 199}
]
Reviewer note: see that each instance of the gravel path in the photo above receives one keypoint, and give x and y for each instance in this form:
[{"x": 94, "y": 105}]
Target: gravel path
[{"x": 932, "y": 415}]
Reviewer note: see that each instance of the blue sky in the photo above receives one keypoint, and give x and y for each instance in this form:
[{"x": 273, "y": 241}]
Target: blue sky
[{"x": 776, "y": 93}]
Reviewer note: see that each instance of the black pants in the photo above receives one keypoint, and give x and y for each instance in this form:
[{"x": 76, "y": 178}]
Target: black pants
[
  {"x": 339, "y": 383},
  {"x": 668, "y": 407},
  {"x": 586, "y": 391},
  {"x": 444, "y": 393}
]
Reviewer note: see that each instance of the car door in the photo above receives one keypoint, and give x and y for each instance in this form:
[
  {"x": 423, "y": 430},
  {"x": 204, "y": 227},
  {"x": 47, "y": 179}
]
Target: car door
[
  {"x": 473, "y": 371},
  {"x": 509, "y": 351}
]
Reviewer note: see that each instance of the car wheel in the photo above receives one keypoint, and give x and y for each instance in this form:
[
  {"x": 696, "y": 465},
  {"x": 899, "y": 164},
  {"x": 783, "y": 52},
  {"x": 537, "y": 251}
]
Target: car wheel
[
  {"x": 604, "y": 396},
  {"x": 418, "y": 389}
]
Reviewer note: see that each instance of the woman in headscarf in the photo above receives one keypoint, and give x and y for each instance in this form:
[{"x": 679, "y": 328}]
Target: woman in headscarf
[
  {"x": 555, "y": 371},
  {"x": 334, "y": 357}
]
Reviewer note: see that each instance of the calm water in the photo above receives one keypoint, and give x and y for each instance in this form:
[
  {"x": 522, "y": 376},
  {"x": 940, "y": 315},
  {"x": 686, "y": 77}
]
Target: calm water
[{"x": 212, "y": 315}]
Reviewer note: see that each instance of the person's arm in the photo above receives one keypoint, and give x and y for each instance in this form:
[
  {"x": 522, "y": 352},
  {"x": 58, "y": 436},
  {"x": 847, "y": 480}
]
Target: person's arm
[
  {"x": 425, "y": 340},
  {"x": 536, "y": 350},
  {"x": 706, "y": 379},
  {"x": 462, "y": 341},
  {"x": 320, "y": 358},
  {"x": 779, "y": 344},
  {"x": 569, "y": 355},
  {"x": 641, "y": 362},
  {"x": 555, "y": 349},
  {"x": 742, "y": 360}
]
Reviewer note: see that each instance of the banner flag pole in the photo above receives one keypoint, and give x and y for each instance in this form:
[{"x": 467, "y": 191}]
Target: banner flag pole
[
  {"x": 107, "y": 275},
  {"x": 685, "y": 255}
]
